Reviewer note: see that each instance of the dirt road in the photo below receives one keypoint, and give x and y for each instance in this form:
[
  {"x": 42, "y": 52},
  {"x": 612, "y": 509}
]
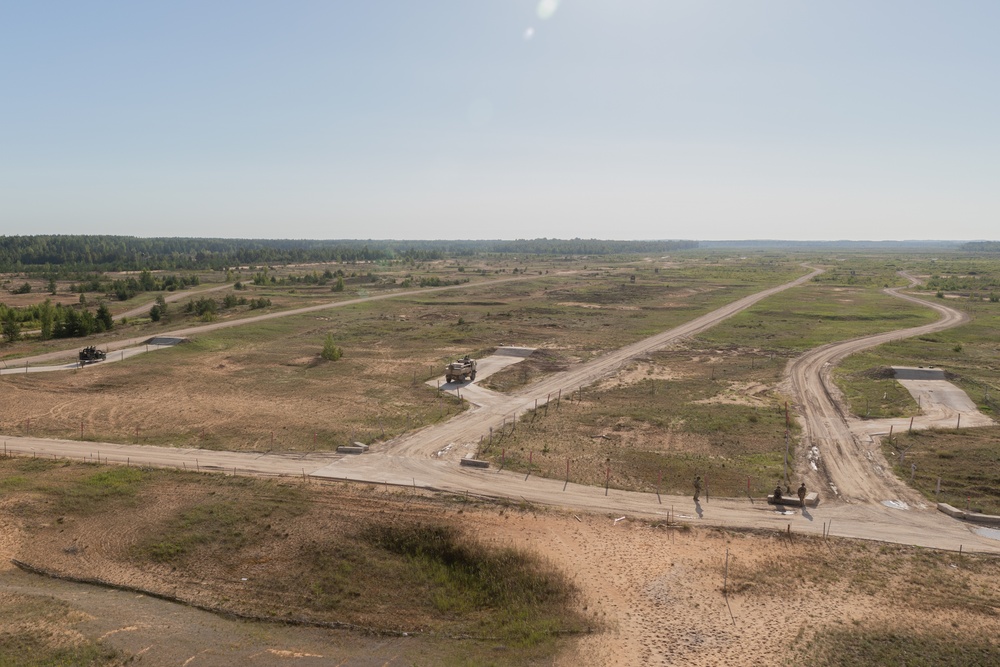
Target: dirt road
[
  {"x": 463, "y": 432},
  {"x": 852, "y": 468},
  {"x": 71, "y": 353},
  {"x": 429, "y": 458}
]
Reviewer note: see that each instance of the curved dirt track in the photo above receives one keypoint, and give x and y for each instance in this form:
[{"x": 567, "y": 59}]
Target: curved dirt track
[
  {"x": 428, "y": 458},
  {"x": 851, "y": 469}
]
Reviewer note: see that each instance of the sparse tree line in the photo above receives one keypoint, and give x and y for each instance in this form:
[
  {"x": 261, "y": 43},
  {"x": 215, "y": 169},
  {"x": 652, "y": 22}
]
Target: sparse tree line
[
  {"x": 59, "y": 321},
  {"x": 970, "y": 283},
  {"x": 54, "y": 320},
  {"x": 207, "y": 307},
  {"x": 62, "y": 255},
  {"x": 125, "y": 289}
]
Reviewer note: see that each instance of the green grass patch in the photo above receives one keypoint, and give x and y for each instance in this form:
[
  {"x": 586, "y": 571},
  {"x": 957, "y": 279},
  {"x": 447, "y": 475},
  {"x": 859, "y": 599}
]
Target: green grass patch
[
  {"x": 487, "y": 591},
  {"x": 967, "y": 461},
  {"x": 30, "y": 636},
  {"x": 716, "y": 417},
  {"x": 442, "y": 579},
  {"x": 28, "y": 649},
  {"x": 968, "y": 354},
  {"x": 811, "y": 315},
  {"x": 93, "y": 491},
  {"x": 849, "y": 647},
  {"x": 224, "y": 522},
  {"x": 871, "y": 390}
]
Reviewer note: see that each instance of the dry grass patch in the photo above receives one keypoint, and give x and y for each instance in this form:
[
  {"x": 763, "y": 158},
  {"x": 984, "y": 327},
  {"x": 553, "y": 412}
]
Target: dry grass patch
[
  {"x": 40, "y": 631},
  {"x": 388, "y": 562},
  {"x": 967, "y": 461},
  {"x": 718, "y": 417}
]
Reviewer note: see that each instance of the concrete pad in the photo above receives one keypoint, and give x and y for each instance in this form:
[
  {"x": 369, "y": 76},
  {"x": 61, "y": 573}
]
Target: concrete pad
[
  {"x": 165, "y": 341},
  {"x": 485, "y": 367},
  {"x": 942, "y": 405}
]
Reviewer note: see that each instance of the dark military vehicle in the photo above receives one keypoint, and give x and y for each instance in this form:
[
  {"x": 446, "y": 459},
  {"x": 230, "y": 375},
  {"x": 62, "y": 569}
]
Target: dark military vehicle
[{"x": 90, "y": 355}]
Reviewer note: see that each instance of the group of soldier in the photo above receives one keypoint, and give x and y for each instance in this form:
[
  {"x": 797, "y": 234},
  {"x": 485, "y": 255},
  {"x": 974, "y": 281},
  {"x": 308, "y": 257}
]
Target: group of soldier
[{"x": 777, "y": 498}]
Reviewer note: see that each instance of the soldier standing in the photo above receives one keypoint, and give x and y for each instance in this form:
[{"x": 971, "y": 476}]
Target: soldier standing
[
  {"x": 802, "y": 495},
  {"x": 697, "y": 487}
]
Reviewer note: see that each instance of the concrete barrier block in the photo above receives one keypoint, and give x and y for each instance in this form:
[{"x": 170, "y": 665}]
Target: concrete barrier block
[
  {"x": 812, "y": 500},
  {"x": 953, "y": 512},
  {"x": 474, "y": 463}
]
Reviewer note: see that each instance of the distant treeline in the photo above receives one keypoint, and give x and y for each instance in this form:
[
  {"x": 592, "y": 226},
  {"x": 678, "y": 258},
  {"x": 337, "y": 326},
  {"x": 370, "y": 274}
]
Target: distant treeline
[
  {"x": 843, "y": 245},
  {"x": 981, "y": 246},
  {"x": 64, "y": 254}
]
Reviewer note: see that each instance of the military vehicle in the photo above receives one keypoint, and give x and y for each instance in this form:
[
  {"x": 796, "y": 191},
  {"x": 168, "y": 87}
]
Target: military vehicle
[
  {"x": 89, "y": 355},
  {"x": 461, "y": 370}
]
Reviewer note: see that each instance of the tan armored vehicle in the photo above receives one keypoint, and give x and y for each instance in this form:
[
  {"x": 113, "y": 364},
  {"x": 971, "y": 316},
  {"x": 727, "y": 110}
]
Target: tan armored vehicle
[{"x": 460, "y": 371}]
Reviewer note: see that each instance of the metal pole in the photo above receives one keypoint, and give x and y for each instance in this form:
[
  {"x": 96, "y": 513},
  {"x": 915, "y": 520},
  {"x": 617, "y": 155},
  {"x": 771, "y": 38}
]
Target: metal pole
[{"x": 786, "y": 455}]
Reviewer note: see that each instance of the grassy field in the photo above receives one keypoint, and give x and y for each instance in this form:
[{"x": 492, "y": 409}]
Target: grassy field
[
  {"x": 809, "y": 316},
  {"x": 970, "y": 357},
  {"x": 666, "y": 418},
  {"x": 968, "y": 354},
  {"x": 708, "y": 407},
  {"x": 304, "y": 552},
  {"x": 967, "y": 461},
  {"x": 264, "y": 386}
]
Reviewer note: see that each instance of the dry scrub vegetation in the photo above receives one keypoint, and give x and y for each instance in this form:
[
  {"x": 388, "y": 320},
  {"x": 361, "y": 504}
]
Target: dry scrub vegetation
[
  {"x": 662, "y": 420},
  {"x": 265, "y": 387},
  {"x": 526, "y": 586},
  {"x": 381, "y": 562}
]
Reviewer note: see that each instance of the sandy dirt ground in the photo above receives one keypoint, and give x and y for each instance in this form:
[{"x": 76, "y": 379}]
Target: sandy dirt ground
[{"x": 655, "y": 593}]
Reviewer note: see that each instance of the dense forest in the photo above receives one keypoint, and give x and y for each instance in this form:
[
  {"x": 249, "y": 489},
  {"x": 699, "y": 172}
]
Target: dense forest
[{"x": 65, "y": 254}]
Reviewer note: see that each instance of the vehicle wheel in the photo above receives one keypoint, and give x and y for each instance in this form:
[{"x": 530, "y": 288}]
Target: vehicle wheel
[{"x": 473, "y": 376}]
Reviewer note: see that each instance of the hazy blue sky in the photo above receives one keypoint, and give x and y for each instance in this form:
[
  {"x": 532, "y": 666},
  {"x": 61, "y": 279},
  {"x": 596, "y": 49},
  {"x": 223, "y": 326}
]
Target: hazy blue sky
[{"x": 626, "y": 119}]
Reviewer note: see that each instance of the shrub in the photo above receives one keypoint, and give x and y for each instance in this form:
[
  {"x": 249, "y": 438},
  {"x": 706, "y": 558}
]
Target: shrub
[{"x": 331, "y": 352}]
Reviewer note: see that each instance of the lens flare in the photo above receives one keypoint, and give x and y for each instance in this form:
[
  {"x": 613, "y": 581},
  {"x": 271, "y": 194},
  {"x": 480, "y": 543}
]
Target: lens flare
[{"x": 546, "y": 8}]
